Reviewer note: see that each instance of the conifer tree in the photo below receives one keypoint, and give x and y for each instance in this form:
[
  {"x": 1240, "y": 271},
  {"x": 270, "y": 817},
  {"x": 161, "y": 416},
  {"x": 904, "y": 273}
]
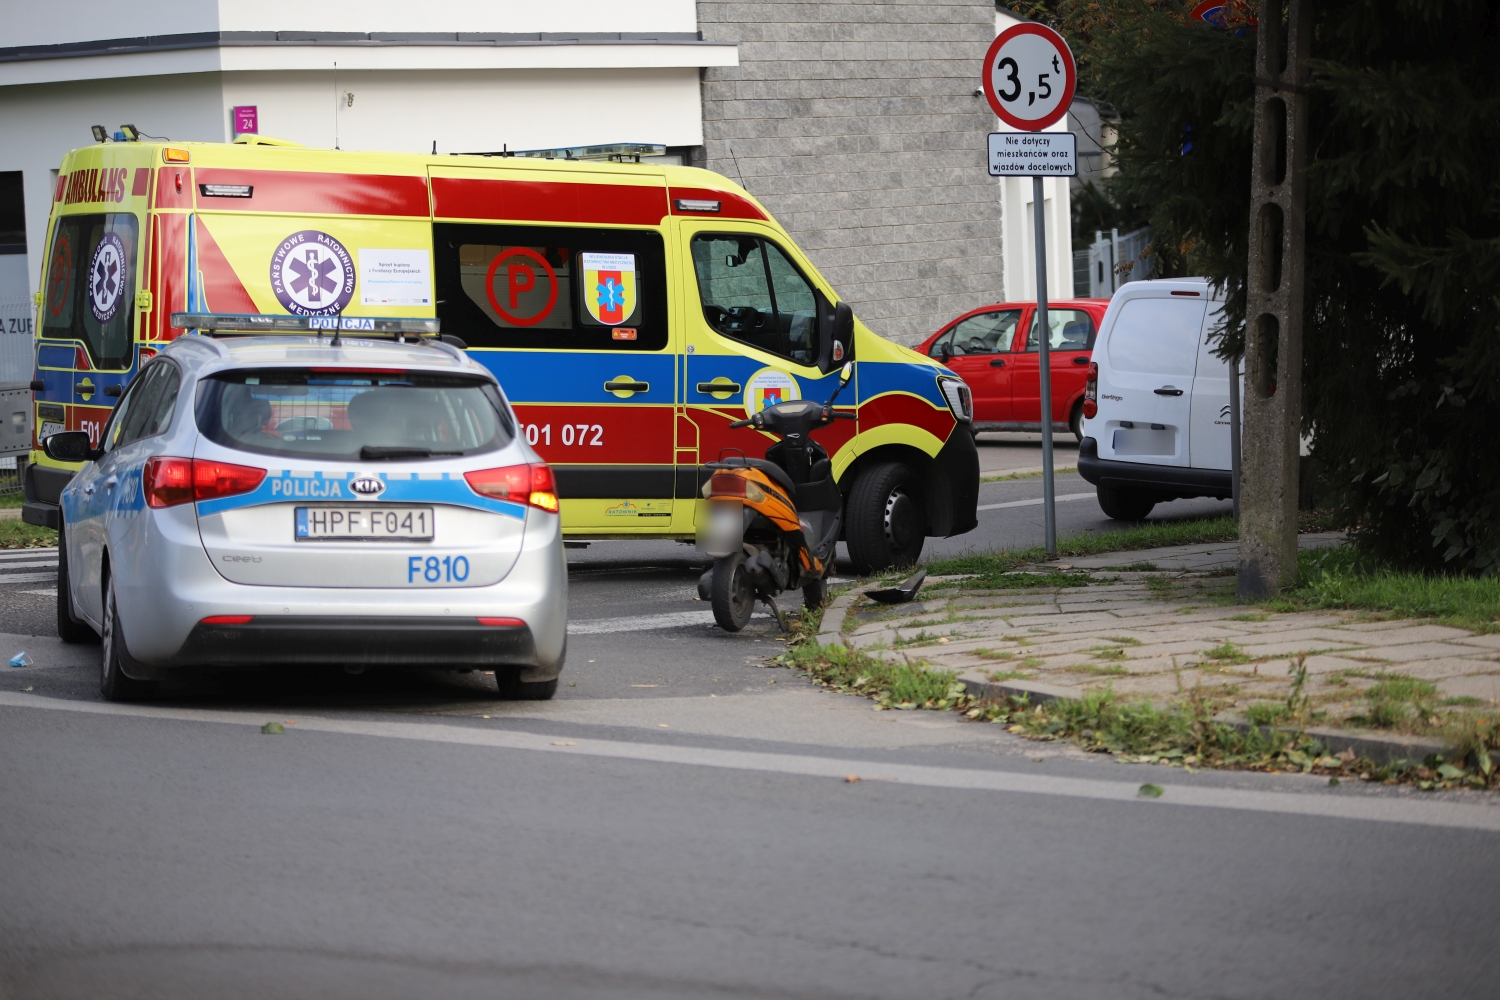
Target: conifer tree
[{"x": 1402, "y": 334}]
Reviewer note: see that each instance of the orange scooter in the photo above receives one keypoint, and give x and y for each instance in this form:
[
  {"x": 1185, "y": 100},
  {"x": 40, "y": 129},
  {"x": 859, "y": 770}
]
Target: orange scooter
[{"x": 773, "y": 522}]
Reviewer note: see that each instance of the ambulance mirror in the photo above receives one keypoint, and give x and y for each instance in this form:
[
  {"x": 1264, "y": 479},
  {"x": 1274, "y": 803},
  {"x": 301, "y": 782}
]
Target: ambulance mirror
[{"x": 835, "y": 334}]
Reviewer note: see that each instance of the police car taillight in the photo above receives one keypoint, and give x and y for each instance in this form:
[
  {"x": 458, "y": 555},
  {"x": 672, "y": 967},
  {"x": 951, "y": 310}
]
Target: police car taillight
[
  {"x": 528, "y": 484},
  {"x": 168, "y": 482},
  {"x": 1091, "y": 392}
]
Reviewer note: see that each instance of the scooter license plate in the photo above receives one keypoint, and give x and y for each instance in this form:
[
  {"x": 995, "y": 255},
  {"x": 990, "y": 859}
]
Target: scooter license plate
[{"x": 725, "y": 531}]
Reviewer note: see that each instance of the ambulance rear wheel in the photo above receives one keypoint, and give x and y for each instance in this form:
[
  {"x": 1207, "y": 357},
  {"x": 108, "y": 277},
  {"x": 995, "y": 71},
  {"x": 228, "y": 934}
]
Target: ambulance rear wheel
[
  {"x": 887, "y": 525},
  {"x": 732, "y": 593}
]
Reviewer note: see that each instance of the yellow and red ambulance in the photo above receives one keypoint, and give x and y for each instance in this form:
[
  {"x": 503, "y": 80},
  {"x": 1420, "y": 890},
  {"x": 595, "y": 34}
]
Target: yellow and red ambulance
[{"x": 631, "y": 311}]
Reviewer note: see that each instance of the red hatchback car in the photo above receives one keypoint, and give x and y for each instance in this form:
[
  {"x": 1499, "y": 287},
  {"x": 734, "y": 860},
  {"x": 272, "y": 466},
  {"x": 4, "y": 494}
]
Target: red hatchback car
[{"x": 985, "y": 348}]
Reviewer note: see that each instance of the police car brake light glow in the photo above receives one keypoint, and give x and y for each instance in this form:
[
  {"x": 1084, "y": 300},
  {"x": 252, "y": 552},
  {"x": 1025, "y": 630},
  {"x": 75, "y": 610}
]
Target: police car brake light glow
[
  {"x": 534, "y": 483},
  {"x": 226, "y": 620},
  {"x": 502, "y": 622},
  {"x": 168, "y": 482}
]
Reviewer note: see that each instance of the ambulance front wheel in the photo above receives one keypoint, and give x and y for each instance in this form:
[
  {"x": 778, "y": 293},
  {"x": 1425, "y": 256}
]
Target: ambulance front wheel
[{"x": 886, "y": 523}]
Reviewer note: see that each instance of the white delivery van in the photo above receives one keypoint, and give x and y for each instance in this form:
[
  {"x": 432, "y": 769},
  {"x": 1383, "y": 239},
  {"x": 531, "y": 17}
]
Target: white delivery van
[{"x": 1156, "y": 406}]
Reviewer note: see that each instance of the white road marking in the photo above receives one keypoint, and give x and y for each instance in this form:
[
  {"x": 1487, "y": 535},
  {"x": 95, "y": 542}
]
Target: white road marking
[
  {"x": 13, "y": 554},
  {"x": 645, "y": 623},
  {"x": 1356, "y": 806},
  {"x": 1035, "y": 503},
  {"x": 4, "y": 566},
  {"x": 52, "y": 592},
  {"x": 26, "y": 577}
]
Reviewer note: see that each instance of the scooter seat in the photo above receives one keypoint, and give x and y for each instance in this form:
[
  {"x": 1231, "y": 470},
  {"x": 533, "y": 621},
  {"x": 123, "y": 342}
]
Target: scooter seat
[{"x": 776, "y": 472}]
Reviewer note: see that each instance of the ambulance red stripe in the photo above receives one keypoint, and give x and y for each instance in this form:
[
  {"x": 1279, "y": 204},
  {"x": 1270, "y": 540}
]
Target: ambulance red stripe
[
  {"x": 317, "y": 193},
  {"x": 548, "y": 201}
]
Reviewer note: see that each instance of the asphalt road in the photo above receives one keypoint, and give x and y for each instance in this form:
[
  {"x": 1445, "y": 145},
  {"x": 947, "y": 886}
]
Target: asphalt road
[{"x": 678, "y": 823}]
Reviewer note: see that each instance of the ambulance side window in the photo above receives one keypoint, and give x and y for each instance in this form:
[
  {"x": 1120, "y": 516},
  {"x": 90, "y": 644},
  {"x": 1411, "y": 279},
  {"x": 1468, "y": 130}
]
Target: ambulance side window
[
  {"x": 90, "y": 290},
  {"x": 753, "y": 293},
  {"x": 552, "y": 287}
]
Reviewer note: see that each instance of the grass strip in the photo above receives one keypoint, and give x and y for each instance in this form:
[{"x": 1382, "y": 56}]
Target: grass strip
[
  {"x": 1181, "y": 733},
  {"x": 20, "y": 535},
  {"x": 895, "y": 685},
  {"x": 1346, "y": 578},
  {"x": 995, "y": 566}
]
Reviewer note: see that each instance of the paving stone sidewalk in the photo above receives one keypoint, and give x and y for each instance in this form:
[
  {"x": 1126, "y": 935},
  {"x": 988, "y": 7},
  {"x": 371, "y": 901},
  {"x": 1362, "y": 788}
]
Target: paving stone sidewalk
[{"x": 1161, "y": 634}]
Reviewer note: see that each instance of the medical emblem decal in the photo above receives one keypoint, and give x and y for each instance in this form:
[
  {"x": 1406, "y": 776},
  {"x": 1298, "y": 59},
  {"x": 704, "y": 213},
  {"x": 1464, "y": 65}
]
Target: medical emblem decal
[
  {"x": 609, "y": 292},
  {"x": 107, "y": 278},
  {"x": 312, "y": 274}
]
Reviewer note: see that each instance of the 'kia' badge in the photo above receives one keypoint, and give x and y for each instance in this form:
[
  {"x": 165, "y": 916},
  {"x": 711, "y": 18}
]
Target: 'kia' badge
[{"x": 368, "y": 487}]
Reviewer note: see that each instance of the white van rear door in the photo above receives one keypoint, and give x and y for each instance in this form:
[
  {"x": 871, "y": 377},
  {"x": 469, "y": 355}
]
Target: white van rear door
[
  {"x": 1146, "y": 382},
  {"x": 1209, "y": 433}
]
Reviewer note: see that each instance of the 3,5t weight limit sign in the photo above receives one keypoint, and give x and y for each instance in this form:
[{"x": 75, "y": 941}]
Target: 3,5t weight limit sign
[{"x": 1029, "y": 76}]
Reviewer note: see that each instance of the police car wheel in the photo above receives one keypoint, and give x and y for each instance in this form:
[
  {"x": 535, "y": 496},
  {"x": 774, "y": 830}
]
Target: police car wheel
[
  {"x": 113, "y": 684},
  {"x": 731, "y": 592},
  {"x": 886, "y": 523},
  {"x": 68, "y": 630},
  {"x": 512, "y": 688}
]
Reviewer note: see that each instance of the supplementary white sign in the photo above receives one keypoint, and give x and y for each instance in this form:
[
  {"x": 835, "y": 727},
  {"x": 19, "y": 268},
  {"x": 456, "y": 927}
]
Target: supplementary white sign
[
  {"x": 1033, "y": 154},
  {"x": 394, "y": 277},
  {"x": 1029, "y": 76}
]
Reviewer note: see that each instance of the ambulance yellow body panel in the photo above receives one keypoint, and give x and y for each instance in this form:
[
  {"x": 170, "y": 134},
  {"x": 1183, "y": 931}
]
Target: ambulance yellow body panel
[{"x": 630, "y": 311}]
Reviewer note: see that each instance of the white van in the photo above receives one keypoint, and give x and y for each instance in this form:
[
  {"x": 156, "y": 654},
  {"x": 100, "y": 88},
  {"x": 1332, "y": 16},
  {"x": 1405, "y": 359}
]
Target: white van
[{"x": 1156, "y": 407}]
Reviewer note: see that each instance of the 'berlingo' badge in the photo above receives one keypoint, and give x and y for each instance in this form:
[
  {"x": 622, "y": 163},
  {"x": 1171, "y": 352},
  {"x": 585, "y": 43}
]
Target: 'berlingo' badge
[
  {"x": 609, "y": 287},
  {"x": 312, "y": 274}
]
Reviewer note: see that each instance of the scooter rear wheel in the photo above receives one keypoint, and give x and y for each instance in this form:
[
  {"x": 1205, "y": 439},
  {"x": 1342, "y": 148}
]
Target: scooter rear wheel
[
  {"x": 815, "y": 594},
  {"x": 732, "y": 594}
]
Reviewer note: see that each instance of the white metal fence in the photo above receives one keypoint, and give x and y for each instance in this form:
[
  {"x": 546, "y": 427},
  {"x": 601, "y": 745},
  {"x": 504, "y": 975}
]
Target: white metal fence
[
  {"x": 17, "y": 357},
  {"x": 1111, "y": 261}
]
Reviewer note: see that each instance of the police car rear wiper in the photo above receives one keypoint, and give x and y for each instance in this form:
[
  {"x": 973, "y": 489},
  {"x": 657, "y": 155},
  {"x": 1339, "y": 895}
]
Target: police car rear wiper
[{"x": 374, "y": 451}]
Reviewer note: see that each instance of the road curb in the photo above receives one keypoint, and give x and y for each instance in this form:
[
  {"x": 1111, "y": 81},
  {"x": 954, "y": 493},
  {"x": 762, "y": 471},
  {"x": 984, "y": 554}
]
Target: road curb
[
  {"x": 833, "y": 618},
  {"x": 1380, "y": 749}
]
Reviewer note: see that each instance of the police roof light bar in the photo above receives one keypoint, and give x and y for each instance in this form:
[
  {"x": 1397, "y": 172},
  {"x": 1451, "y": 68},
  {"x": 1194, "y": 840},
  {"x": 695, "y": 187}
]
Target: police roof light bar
[{"x": 270, "y": 323}]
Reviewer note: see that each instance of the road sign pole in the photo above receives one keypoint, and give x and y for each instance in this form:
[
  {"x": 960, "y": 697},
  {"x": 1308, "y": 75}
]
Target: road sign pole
[
  {"x": 1029, "y": 78},
  {"x": 1044, "y": 364}
]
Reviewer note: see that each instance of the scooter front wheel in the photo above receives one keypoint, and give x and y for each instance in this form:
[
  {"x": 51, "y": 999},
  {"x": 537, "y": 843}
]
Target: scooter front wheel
[
  {"x": 815, "y": 594},
  {"x": 732, "y": 594}
]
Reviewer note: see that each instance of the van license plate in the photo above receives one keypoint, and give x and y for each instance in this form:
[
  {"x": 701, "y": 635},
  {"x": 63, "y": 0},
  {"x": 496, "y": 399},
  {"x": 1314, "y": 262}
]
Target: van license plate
[{"x": 363, "y": 524}]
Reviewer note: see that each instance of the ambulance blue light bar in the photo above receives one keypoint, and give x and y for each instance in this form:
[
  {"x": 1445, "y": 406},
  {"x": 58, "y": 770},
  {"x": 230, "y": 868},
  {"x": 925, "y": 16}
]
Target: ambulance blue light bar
[{"x": 271, "y": 323}]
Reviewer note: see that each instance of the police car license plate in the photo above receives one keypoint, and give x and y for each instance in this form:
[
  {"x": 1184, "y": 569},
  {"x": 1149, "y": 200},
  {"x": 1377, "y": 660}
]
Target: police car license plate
[{"x": 405, "y": 524}]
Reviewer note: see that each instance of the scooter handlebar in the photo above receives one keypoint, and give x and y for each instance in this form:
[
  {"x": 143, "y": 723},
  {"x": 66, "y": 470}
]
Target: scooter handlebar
[
  {"x": 742, "y": 423},
  {"x": 844, "y": 415}
]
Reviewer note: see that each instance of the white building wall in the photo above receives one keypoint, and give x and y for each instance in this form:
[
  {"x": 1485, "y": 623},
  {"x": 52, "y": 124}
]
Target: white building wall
[
  {"x": 472, "y": 111},
  {"x": 54, "y": 118}
]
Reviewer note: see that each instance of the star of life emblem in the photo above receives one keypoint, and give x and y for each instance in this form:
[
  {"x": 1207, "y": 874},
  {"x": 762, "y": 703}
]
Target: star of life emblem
[
  {"x": 107, "y": 278},
  {"x": 312, "y": 274}
]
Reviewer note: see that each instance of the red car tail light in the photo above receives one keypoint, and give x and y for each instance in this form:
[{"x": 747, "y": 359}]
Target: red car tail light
[
  {"x": 502, "y": 622},
  {"x": 171, "y": 481},
  {"x": 226, "y": 620},
  {"x": 528, "y": 484}
]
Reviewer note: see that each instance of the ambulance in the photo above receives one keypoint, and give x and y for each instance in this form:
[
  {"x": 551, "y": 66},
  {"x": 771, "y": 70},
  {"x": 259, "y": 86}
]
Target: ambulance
[{"x": 630, "y": 310}]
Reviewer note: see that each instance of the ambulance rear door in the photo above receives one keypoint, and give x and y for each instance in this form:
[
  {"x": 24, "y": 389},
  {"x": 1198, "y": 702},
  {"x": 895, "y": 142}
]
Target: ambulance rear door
[{"x": 558, "y": 282}]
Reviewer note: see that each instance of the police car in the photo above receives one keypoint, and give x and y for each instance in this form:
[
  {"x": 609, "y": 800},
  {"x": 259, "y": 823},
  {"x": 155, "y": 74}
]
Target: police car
[{"x": 312, "y": 498}]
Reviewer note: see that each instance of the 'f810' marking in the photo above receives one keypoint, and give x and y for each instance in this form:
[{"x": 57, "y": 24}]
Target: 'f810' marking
[{"x": 449, "y": 569}]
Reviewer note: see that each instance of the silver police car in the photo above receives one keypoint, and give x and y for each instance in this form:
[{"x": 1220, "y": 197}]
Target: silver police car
[{"x": 274, "y": 499}]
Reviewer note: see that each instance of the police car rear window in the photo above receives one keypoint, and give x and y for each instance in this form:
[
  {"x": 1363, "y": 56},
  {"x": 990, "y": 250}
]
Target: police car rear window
[
  {"x": 552, "y": 287},
  {"x": 352, "y": 415}
]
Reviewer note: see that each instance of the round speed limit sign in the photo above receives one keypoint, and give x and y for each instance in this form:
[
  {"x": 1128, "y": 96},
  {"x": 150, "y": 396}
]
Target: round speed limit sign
[{"x": 1029, "y": 76}]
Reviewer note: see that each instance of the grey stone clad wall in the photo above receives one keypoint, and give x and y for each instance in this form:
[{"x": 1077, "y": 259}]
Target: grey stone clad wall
[{"x": 856, "y": 124}]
